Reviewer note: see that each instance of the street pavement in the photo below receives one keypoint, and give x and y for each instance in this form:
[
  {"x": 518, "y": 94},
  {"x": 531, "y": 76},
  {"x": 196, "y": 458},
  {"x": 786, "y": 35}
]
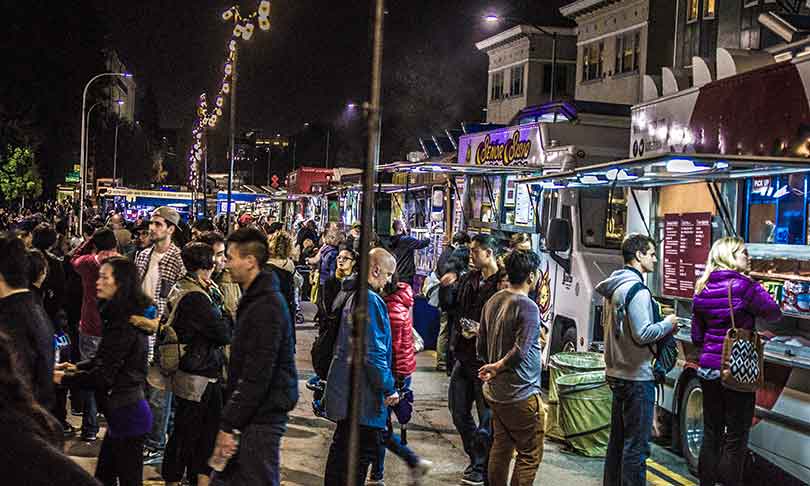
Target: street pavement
[{"x": 431, "y": 434}]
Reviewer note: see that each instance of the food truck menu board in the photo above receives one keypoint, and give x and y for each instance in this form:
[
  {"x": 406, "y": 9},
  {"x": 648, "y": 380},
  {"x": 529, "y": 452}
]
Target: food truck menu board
[{"x": 687, "y": 241}]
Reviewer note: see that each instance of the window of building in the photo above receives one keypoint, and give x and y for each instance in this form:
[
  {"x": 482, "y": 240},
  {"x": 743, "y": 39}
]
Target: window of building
[
  {"x": 692, "y": 10},
  {"x": 627, "y": 52},
  {"x": 709, "y": 9},
  {"x": 516, "y": 80},
  {"x": 497, "y": 85},
  {"x": 592, "y": 61},
  {"x": 749, "y": 26}
]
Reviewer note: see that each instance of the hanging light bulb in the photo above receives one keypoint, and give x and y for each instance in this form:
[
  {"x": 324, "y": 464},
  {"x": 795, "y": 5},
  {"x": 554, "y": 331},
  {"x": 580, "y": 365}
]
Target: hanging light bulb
[
  {"x": 228, "y": 68},
  {"x": 219, "y": 112},
  {"x": 232, "y": 45},
  {"x": 226, "y": 88},
  {"x": 264, "y": 8},
  {"x": 264, "y": 23},
  {"x": 227, "y": 15},
  {"x": 237, "y": 30},
  {"x": 199, "y": 135},
  {"x": 248, "y": 31},
  {"x": 220, "y": 101}
]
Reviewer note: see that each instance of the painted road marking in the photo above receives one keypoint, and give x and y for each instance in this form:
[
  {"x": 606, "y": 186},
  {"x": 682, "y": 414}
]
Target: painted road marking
[{"x": 660, "y": 475}]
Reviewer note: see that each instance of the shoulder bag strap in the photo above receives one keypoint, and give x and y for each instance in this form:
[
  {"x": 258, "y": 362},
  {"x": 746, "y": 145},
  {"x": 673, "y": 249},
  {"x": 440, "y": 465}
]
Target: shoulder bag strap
[{"x": 731, "y": 307}]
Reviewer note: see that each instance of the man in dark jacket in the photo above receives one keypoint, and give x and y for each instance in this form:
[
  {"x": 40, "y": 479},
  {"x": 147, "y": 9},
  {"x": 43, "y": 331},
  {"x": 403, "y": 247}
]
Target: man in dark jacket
[
  {"x": 262, "y": 380},
  {"x": 474, "y": 290},
  {"x": 24, "y": 320},
  {"x": 454, "y": 259},
  {"x": 403, "y": 248}
]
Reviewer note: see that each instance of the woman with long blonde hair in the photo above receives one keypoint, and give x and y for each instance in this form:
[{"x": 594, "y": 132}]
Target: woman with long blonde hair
[{"x": 725, "y": 410}]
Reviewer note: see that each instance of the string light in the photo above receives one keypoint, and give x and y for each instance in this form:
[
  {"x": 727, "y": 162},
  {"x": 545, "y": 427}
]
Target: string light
[{"x": 244, "y": 27}]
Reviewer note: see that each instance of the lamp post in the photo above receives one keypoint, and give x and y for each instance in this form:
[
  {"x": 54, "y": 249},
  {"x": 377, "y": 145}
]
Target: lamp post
[
  {"x": 495, "y": 18},
  {"x": 83, "y": 148}
]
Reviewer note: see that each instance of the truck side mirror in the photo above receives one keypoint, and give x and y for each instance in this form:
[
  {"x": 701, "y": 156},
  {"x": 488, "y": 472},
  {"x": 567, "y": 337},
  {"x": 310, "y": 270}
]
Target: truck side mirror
[{"x": 558, "y": 237}]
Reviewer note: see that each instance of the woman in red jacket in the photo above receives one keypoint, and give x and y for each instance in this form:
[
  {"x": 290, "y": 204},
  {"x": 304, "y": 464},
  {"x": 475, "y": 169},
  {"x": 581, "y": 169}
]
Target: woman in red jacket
[{"x": 399, "y": 299}]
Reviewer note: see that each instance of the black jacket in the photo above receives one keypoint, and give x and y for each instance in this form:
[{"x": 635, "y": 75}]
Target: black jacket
[
  {"x": 262, "y": 379},
  {"x": 31, "y": 460},
  {"x": 204, "y": 330},
  {"x": 53, "y": 291},
  {"x": 403, "y": 247},
  {"x": 24, "y": 320},
  {"x": 470, "y": 298},
  {"x": 118, "y": 371}
]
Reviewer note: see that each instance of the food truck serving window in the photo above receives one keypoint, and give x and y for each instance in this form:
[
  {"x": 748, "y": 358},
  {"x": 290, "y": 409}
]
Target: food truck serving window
[
  {"x": 777, "y": 209},
  {"x": 603, "y": 217}
]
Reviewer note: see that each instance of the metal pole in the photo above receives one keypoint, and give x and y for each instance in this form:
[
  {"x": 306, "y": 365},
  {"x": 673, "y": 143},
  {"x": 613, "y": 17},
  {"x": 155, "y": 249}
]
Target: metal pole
[
  {"x": 269, "y": 158},
  {"x": 83, "y": 148},
  {"x": 233, "y": 146},
  {"x": 361, "y": 308},
  {"x": 295, "y": 143},
  {"x": 553, "y": 66},
  {"x": 115, "y": 155},
  {"x": 205, "y": 174}
]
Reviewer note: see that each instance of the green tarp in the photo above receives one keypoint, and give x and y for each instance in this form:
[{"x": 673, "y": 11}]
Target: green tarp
[
  {"x": 585, "y": 401},
  {"x": 562, "y": 364}
]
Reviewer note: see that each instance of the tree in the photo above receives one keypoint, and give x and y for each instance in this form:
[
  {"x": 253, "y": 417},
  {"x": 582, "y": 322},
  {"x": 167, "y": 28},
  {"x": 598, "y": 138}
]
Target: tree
[{"x": 19, "y": 175}]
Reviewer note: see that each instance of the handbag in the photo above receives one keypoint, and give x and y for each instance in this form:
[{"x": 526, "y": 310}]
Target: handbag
[{"x": 743, "y": 357}]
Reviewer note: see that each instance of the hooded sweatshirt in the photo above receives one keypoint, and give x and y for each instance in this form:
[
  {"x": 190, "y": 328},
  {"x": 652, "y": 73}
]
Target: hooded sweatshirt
[{"x": 627, "y": 352}]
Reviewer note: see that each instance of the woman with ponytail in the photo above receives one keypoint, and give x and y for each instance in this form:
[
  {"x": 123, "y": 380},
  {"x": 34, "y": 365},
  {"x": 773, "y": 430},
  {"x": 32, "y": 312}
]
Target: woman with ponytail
[{"x": 727, "y": 414}]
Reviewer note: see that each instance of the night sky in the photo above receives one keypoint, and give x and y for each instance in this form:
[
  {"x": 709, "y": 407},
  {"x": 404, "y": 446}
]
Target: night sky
[{"x": 313, "y": 61}]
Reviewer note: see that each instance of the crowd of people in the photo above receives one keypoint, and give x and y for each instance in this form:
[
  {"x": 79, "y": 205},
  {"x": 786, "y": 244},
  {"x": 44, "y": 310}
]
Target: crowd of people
[{"x": 184, "y": 339}]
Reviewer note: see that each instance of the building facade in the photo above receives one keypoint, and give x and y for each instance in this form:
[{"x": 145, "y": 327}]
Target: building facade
[
  {"x": 618, "y": 43},
  {"x": 520, "y": 69},
  {"x": 705, "y": 25},
  {"x": 119, "y": 88}
]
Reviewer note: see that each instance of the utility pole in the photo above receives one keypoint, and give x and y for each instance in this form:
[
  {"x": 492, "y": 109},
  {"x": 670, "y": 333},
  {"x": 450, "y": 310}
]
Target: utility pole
[
  {"x": 233, "y": 145},
  {"x": 361, "y": 309}
]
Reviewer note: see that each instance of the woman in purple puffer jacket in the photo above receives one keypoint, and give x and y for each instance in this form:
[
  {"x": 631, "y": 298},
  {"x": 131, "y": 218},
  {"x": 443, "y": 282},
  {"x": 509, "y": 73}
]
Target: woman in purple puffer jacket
[{"x": 724, "y": 410}]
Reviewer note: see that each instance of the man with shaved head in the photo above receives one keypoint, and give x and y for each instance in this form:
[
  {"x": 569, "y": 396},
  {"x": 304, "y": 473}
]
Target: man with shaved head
[{"x": 377, "y": 383}]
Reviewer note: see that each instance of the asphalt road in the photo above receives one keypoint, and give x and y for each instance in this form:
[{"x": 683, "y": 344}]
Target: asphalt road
[{"x": 431, "y": 434}]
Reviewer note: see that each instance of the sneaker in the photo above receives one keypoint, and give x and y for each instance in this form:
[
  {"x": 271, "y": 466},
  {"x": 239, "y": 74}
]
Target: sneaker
[
  {"x": 76, "y": 413},
  {"x": 89, "y": 437},
  {"x": 441, "y": 367},
  {"x": 473, "y": 478},
  {"x": 68, "y": 430},
  {"x": 419, "y": 471},
  {"x": 375, "y": 482},
  {"x": 151, "y": 457}
]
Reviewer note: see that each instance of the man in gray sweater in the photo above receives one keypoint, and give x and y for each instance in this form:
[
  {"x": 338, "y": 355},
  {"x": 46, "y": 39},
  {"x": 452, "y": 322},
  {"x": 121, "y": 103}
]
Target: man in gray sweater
[
  {"x": 628, "y": 362},
  {"x": 509, "y": 344}
]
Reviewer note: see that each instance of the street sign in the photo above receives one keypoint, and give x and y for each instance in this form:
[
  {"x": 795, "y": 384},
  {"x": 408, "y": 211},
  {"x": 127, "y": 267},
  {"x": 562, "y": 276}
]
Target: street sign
[{"x": 72, "y": 177}]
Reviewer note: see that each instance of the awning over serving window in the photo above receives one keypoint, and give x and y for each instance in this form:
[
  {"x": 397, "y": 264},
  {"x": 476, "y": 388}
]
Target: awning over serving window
[
  {"x": 669, "y": 169},
  {"x": 458, "y": 169}
]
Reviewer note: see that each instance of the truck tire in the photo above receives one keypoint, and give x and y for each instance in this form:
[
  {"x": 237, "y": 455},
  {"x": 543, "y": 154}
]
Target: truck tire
[
  {"x": 568, "y": 343},
  {"x": 690, "y": 423}
]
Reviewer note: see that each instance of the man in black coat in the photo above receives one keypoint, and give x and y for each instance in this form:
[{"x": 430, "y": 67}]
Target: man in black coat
[
  {"x": 24, "y": 320},
  {"x": 403, "y": 247},
  {"x": 262, "y": 379}
]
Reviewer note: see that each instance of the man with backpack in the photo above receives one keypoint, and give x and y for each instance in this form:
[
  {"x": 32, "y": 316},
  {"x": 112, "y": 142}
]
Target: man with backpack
[{"x": 633, "y": 330}]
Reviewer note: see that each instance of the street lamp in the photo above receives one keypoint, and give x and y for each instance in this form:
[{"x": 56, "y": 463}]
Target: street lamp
[
  {"x": 87, "y": 138},
  {"x": 493, "y": 18},
  {"x": 83, "y": 148},
  {"x": 115, "y": 145}
]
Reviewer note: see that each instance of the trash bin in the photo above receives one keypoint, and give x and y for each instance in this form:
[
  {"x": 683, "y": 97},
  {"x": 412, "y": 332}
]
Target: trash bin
[
  {"x": 562, "y": 364},
  {"x": 585, "y": 403}
]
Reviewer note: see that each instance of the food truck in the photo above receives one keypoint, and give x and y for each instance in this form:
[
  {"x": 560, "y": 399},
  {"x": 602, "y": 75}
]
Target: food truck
[
  {"x": 727, "y": 157},
  {"x": 484, "y": 195}
]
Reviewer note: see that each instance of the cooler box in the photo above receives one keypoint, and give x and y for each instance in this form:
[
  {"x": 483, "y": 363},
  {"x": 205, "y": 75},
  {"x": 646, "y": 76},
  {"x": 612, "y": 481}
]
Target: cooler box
[{"x": 426, "y": 321}]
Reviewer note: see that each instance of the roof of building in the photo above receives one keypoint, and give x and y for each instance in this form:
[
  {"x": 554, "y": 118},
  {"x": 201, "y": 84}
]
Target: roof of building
[
  {"x": 518, "y": 31},
  {"x": 582, "y": 7}
]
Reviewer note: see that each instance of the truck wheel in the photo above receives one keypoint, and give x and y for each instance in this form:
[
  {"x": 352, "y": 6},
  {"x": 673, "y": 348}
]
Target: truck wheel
[
  {"x": 690, "y": 426},
  {"x": 568, "y": 344}
]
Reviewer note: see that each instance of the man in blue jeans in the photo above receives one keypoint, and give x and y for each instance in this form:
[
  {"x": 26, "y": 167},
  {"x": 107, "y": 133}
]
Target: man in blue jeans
[{"x": 636, "y": 325}]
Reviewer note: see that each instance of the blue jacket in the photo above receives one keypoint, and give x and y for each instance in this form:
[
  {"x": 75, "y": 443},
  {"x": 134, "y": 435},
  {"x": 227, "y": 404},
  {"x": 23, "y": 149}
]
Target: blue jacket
[{"x": 377, "y": 381}]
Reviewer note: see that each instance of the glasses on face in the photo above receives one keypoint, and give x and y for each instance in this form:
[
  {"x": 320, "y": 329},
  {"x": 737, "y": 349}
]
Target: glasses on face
[{"x": 344, "y": 258}]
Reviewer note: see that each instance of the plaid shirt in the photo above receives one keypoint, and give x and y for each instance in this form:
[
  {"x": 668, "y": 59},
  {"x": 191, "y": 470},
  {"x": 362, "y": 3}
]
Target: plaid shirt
[{"x": 170, "y": 270}]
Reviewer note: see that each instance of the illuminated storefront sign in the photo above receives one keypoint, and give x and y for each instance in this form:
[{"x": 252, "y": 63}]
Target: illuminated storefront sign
[{"x": 511, "y": 146}]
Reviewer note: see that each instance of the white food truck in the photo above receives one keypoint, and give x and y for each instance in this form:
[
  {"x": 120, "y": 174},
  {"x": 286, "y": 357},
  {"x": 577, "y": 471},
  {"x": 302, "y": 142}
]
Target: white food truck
[
  {"x": 484, "y": 196},
  {"x": 727, "y": 157}
]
